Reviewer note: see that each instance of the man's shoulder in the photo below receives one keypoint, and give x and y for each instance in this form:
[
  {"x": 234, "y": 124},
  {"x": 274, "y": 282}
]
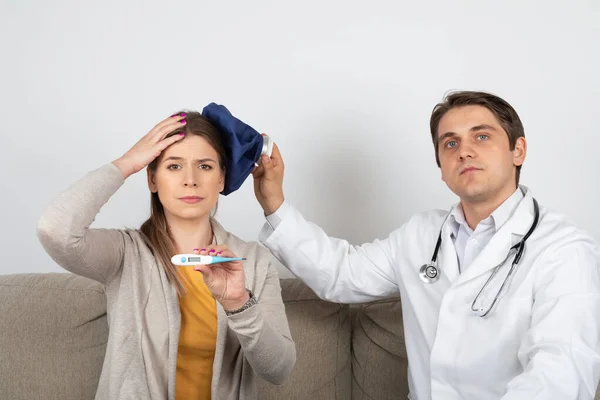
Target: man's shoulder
[
  {"x": 559, "y": 231},
  {"x": 566, "y": 257}
]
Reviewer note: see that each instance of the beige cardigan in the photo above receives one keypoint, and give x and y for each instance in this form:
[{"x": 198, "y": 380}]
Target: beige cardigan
[{"x": 143, "y": 308}]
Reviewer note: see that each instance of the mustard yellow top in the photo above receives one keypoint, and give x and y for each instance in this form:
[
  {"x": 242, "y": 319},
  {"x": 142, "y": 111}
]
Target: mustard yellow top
[{"x": 197, "y": 339}]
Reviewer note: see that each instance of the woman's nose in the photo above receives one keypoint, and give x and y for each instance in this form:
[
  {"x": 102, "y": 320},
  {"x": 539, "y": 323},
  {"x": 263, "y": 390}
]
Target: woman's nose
[{"x": 190, "y": 180}]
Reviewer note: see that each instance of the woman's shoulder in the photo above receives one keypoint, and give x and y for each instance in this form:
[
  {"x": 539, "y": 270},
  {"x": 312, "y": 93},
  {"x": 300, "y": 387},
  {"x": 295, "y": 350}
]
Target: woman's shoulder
[{"x": 136, "y": 244}]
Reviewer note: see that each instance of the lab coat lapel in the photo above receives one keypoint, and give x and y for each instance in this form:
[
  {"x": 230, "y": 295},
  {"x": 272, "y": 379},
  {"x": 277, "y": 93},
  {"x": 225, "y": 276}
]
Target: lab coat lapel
[
  {"x": 498, "y": 248},
  {"x": 448, "y": 260}
]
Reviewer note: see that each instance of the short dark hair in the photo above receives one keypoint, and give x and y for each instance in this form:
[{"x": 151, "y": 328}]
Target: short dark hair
[{"x": 504, "y": 112}]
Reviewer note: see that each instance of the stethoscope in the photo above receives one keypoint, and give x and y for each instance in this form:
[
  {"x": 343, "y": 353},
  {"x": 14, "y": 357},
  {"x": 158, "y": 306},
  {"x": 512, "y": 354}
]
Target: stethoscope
[{"x": 430, "y": 273}]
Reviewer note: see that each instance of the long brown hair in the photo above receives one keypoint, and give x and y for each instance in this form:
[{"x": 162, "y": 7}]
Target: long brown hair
[
  {"x": 156, "y": 230},
  {"x": 502, "y": 110}
]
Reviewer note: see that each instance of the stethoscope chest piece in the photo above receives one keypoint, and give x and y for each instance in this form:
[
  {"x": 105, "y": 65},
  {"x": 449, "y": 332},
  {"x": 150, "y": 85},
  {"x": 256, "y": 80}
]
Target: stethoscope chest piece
[{"x": 429, "y": 273}]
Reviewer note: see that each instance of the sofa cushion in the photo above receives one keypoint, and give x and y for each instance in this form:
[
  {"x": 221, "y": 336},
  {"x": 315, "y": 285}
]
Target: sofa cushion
[
  {"x": 321, "y": 331},
  {"x": 54, "y": 335},
  {"x": 379, "y": 361}
]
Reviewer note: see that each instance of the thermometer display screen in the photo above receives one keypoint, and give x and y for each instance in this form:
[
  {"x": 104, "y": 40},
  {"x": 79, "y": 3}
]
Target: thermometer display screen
[{"x": 194, "y": 259}]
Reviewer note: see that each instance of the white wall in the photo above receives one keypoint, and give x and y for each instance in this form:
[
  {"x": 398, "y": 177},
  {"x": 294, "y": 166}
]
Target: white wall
[{"x": 345, "y": 88}]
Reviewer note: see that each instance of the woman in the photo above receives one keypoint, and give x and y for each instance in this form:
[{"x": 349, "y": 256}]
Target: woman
[{"x": 175, "y": 332}]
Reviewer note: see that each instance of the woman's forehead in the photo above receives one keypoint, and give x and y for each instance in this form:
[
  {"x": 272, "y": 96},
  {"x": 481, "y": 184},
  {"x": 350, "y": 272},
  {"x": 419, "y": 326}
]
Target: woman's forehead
[{"x": 191, "y": 146}]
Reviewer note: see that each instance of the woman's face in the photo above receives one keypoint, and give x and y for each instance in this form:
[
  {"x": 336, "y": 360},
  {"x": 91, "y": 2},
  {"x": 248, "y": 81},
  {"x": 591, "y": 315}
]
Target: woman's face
[{"x": 188, "y": 178}]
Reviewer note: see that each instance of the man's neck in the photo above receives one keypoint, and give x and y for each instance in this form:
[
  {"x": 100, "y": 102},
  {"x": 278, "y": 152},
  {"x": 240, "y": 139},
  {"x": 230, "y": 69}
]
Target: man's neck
[
  {"x": 477, "y": 211},
  {"x": 190, "y": 234}
]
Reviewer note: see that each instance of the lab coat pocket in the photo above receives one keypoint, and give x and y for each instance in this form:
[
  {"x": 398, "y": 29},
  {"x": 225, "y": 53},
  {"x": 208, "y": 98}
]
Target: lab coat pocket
[{"x": 491, "y": 343}]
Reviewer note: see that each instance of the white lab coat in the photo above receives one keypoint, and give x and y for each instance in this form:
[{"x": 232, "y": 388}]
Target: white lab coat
[{"x": 540, "y": 341}]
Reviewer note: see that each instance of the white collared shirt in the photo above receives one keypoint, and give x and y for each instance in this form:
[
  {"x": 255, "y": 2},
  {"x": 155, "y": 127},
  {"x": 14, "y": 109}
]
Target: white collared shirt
[{"x": 468, "y": 242}]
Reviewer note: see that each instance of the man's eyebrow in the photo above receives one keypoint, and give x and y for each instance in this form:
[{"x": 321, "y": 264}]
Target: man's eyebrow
[
  {"x": 446, "y": 135},
  {"x": 476, "y": 128},
  {"x": 483, "y": 127}
]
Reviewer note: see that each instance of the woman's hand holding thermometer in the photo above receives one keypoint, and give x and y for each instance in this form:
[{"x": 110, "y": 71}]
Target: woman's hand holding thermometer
[
  {"x": 185, "y": 260},
  {"x": 222, "y": 271}
]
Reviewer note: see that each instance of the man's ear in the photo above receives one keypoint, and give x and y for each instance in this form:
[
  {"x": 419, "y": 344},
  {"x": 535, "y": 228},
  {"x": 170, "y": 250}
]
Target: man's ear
[
  {"x": 520, "y": 151},
  {"x": 151, "y": 182}
]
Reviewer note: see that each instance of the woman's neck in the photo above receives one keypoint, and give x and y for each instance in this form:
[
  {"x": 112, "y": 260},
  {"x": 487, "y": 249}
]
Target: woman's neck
[{"x": 190, "y": 234}]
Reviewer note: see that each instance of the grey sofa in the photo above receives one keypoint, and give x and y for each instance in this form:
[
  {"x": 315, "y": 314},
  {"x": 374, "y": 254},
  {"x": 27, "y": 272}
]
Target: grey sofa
[{"x": 53, "y": 334}]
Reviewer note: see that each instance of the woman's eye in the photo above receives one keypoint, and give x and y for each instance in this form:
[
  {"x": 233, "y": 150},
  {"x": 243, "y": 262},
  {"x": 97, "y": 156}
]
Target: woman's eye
[
  {"x": 205, "y": 167},
  {"x": 173, "y": 166}
]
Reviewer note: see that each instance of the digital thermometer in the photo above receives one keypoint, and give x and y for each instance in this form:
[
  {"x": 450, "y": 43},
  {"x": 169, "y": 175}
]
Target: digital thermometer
[{"x": 196, "y": 259}]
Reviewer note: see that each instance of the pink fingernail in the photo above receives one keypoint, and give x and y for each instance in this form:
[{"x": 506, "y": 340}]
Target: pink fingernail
[
  {"x": 195, "y": 250},
  {"x": 212, "y": 251},
  {"x": 182, "y": 114},
  {"x": 220, "y": 252},
  {"x": 182, "y": 134},
  {"x": 183, "y": 121}
]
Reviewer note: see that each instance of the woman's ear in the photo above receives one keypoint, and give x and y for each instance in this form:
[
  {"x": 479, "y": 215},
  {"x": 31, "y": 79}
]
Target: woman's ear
[
  {"x": 222, "y": 182},
  {"x": 151, "y": 182}
]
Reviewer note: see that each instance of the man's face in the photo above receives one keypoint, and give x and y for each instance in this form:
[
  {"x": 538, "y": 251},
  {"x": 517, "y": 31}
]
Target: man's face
[{"x": 475, "y": 157}]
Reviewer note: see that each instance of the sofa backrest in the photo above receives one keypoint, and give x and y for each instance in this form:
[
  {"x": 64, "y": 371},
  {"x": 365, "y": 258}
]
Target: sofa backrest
[
  {"x": 54, "y": 330},
  {"x": 53, "y": 334},
  {"x": 322, "y": 333},
  {"x": 344, "y": 352},
  {"x": 379, "y": 361}
]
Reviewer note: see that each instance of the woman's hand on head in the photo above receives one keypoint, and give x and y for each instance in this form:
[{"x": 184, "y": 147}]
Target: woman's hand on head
[
  {"x": 226, "y": 281},
  {"x": 151, "y": 145}
]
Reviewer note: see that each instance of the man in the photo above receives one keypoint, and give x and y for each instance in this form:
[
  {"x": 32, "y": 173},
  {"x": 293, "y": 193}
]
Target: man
[{"x": 507, "y": 308}]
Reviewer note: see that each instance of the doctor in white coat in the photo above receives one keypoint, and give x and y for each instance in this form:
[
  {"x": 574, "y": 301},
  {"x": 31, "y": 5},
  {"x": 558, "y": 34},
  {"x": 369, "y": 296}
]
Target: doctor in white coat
[{"x": 478, "y": 325}]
